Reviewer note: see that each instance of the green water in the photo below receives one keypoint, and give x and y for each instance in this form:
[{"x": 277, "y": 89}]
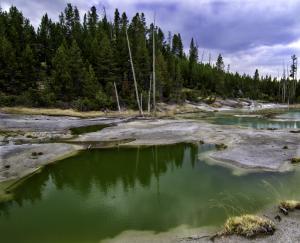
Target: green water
[
  {"x": 87, "y": 129},
  {"x": 101, "y": 193},
  {"x": 291, "y": 114},
  {"x": 289, "y": 119},
  {"x": 256, "y": 122}
]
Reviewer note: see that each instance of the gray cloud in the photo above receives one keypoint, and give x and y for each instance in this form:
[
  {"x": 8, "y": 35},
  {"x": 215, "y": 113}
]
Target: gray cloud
[{"x": 249, "y": 33}]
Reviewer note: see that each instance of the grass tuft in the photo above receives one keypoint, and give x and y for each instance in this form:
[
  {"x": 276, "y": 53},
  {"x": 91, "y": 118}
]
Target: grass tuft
[
  {"x": 248, "y": 226},
  {"x": 290, "y": 205}
]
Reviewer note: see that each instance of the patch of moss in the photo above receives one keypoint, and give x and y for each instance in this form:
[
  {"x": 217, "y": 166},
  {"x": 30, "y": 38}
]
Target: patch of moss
[
  {"x": 248, "y": 226},
  {"x": 290, "y": 205},
  {"x": 221, "y": 146},
  {"x": 295, "y": 160}
]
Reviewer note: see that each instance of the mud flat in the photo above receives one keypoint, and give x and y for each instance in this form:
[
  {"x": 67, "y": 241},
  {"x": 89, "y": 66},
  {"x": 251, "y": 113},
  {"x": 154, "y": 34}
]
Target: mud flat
[
  {"x": 246, "y": 148},
  {"x": 41, "y": 123},
  {"x": 18, "y": 161}
]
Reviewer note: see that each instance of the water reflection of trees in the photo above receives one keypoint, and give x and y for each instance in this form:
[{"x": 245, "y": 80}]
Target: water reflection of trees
[{"x": 105, "y": 168}]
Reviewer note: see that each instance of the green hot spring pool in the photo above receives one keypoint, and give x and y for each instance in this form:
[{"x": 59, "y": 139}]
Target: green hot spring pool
[{"x": 99, "y": 194}]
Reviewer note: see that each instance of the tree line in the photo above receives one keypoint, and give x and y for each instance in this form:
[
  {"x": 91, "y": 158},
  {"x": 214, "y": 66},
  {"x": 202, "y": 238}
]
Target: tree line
[{"x": 80, "y": 63}]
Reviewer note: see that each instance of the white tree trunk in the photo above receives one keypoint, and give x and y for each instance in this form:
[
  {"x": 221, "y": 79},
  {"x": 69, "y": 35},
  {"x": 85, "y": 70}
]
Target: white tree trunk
[
  {"x": 141, "y": 102},
  {"x": 134, "y": 78},
  {"x": 149, "y": 96},
  {"x": 153, "y": 76},
  {"x": 117, "y": 96}
]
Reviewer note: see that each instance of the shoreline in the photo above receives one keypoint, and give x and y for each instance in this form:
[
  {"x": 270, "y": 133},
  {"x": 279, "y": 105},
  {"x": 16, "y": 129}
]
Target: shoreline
[{"x": 163, "y": 109}]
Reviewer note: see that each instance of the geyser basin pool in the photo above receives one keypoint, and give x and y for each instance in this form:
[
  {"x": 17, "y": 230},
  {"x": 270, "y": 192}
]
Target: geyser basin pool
[{"x": 101, "y": 193}]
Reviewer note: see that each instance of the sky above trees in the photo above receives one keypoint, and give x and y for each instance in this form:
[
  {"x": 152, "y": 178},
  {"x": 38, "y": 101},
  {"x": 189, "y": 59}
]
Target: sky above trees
[{"x": 250, "y": 34}]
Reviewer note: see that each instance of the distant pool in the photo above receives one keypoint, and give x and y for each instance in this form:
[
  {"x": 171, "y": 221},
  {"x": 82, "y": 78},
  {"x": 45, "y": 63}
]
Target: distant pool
[{"x": 290, "y": 120}]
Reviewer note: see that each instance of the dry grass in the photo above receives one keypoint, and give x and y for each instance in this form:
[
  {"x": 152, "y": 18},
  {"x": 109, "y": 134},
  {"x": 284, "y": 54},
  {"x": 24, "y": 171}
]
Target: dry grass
[
  {"x": 170, "y": 112},
  {"x": 290, "y": 205},
  {"x": 64, "y": 112},
  {"x": 248, "y": 226}
]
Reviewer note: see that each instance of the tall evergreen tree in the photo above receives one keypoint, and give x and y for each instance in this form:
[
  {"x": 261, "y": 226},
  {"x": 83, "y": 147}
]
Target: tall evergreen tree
[
  {"x": 177, "y": 46},
  {"x": 8, "y": 67},
  {"x": 220, "y": 63},
  {"x": 193, "y": 59},
  {"x": 61, "y": 84},
  {"x": 27, "y": 69}
]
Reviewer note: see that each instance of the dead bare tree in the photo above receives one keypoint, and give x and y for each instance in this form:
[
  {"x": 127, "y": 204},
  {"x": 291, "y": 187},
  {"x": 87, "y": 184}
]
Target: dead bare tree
[
  {"x": 117, "y": 97},
  {"x": 149, "y": 96},
  {"x": 142, "y": 102},
  {"x": 134, "y": 78},
  {"x": 283, "y": 84},
  {"x": 293, "y": 75},
  {"x": 154, "y": 75}
]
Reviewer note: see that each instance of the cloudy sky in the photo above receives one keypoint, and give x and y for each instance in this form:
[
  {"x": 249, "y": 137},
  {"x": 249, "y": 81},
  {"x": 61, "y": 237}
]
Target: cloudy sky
[{"x": 249, "y": 34}]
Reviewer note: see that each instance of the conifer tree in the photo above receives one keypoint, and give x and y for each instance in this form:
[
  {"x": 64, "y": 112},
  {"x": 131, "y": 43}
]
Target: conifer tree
[
  {"x": 61, "y": 82},
  {"x": 76, "y": 69},
  {"x": 27, "y": 69},
  {"x": 193, "y": 59},
  {"x": 220, "y": 63},
  {"x": 8, "y": 66}
]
